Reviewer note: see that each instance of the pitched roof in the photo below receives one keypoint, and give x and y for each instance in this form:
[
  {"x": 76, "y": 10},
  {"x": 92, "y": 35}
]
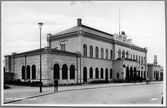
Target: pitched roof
[{"x": 85, "y": 29}]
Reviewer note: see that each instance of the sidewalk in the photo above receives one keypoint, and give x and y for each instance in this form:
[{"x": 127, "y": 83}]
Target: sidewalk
[{"x": 19, "y": 93}]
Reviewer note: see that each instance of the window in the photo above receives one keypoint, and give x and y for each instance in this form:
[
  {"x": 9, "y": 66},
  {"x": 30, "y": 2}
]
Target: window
[
  {"x": 72, "y": 72},
  {"x": 84, "y": 50},
  {"x": 110, "y": 73},
  {"x": 56, "y": 71},
  {"x": 23, "y": 72},
  {"x": 28, "y": 72},
  {"x": 136, "y": 57},
  {"x": 117, "y": 75},
  {"x": 97, "y": 52},
  {"x": 123, "y": 54},
  {"x": 91, "y": 51},
  {"x": 102, "y": 53},
  {"x": 127, "y": 54},
  {"x": 133, "y": 57},
  {"x": 91, "y": 72},
  {"x": 110, "y": 54},
  {"x": 64, "y": 72},
  {"x": 63, "y": 47},
  {"x": 106, "y": 53},
  {"x": 101, "y": 72},
  {"x": 33, "y": 72},
  {"x": 139, "y": 59},
  {"x": 119, "y": 54},
  {"x": 97, "y": 73}
]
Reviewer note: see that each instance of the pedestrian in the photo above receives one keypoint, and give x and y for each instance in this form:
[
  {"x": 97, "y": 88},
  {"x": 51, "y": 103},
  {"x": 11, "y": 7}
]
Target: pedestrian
[
  {"x": 56, "y": 85},
  {"x": 147, "y": 80}
]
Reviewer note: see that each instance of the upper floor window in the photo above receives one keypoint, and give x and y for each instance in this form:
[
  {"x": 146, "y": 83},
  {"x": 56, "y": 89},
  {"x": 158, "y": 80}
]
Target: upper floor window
[
  {"x": 106, "y": 53},
  {"x": 136, "y": 57},
  {"x": 97, "y": 52},
  {"x": 139, "y": 59},
  {"x": 63, "y": 47},
  {"x": 102, "y": 53},
  {"x": 119, "y": 54},
  {"x": 123, "y": 54},
  {"x": 84, "y": 50},
  {"x": 127, "y": 54},
  {"x": 111, "y": 54},
  {"x": 91, "y": 51},
  {"x": 133, "y": 57}
]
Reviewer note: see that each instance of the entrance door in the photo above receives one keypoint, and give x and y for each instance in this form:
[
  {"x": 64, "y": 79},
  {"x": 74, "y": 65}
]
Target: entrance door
[
  {"x": 85, "y": 74},
  {"x": 106, "y": 74}
]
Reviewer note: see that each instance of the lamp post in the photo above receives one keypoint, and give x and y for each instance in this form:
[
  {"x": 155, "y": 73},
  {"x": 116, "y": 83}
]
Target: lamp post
[{"x": 40, "y": 27}]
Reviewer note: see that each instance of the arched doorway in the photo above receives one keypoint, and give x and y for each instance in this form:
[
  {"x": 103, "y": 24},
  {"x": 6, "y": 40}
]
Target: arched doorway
[
  {"x": 127, "y": 73},
  {"x": 106, "y": 74},
  {"x": 84, "y": 74},
  {"x": 56, "y": 71}
]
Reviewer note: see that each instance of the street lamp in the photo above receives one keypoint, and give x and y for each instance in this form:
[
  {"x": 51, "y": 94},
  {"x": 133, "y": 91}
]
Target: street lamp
[{"x": 40, "y": 27}]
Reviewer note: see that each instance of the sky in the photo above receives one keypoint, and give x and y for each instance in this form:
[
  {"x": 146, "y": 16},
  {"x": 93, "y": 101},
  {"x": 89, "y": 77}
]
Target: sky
[{"x": 142, "y": 21}]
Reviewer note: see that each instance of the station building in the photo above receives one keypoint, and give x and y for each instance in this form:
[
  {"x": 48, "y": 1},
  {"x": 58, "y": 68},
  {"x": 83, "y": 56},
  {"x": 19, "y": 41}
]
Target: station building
[{"x": 79, "y": 55}]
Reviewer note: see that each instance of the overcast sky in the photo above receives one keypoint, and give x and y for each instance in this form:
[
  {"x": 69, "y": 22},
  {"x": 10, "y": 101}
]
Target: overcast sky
[{"x": 143, "y": 22}]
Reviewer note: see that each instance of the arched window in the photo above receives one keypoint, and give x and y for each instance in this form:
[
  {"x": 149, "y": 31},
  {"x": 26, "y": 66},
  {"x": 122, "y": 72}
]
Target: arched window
[
  {"x": 123, "y": 54},
  {"x": 127, "y": 54},
  {"x": 97, "y": 73},
  {"x": 56, "y": 71},
  {"x": 97, "y": 52},
  {"x": 64, "y": 72},
  {"x": 102, "y": 53},
  {"x": 28, "y": 72},
  {"x": 110, "y": 54},
  {"x": 106, "y": 74},
  {"x": 91, "y": 72},
  {"x": 23, "y": 72},
  {"x": 84, "y": 74},
  {"x": 110, "y": 73},
  {"x": 106, "y": 53},
  {"x": 84, "y": 50},
  {"x": 91, "y": 51},
  {"x": 33, "y": 72},
  {"x": 117, "y": 75},
  {"x": 101, "y": 72},
  {"x": 119, "y": 54},
  {"x": 72, "y": 72}
]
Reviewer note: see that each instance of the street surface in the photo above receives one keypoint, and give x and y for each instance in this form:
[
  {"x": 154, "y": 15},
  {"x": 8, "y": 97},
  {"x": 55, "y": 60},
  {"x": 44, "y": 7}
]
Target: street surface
[{"x": 88, "y": 94}]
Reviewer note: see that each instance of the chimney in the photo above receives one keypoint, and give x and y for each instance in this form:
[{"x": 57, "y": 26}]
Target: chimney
[
  {"x": 155, "y": 59},
  {"x": 48, "y": 40},
  {"x": 79, "y": 21}
]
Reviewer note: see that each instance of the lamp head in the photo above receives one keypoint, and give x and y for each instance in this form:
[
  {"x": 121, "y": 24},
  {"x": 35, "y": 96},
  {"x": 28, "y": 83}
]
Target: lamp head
[{"x": 40, "y": 24}]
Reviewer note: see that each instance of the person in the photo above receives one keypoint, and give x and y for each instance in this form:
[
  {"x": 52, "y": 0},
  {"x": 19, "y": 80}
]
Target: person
[
  {"x": 56, "y": 85},
  {"x": 147, "y": 80}
]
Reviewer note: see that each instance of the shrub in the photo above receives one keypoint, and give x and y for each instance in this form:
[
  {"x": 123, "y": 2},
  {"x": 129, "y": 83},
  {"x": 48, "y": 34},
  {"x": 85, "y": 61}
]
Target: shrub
[{"x": 6, "y": 87}]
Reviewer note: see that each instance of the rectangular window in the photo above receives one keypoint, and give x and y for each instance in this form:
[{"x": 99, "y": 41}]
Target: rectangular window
[
  {"x": 110, "y": 54},
  {"x": 63, "y": 47}
]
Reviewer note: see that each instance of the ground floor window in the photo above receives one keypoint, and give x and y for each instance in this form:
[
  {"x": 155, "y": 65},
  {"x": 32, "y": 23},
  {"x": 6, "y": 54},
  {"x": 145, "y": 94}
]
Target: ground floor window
[{"x": 64, "y": 72}]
